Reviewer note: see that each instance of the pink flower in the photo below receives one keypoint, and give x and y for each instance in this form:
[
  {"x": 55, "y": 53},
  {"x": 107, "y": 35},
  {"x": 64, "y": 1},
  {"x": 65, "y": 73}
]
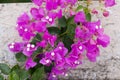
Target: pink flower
[
  {"x": 46, "y": 60},
  {"x": 37, "y": 13},
  {"x": 61, "y": 49},
  {"x": 30, "y": 64},
  {"x": 106, "y": 13},
  {"x": 94, "y": 11},
  {"x": 80, "y": 17},
  {"x": 77, "y": 48},
  {"x": 72, "y": 61},
  {"x": 29, "y": 49},
  {"x": 24, "y": 19},
  {"x": 72, "y": 1},
  {"x": 38, "y": 2},
  {"x": 92, "y": 52},
  {"x": 42, "y": 44},
  {"x": 93, "y": 26},
  {"x": 109, "y": 3},
  {"x": 51, "y": 4},
  {"x": 59, "y": 14},
  {"x": 51, "y": 17},
  {"x": 103, "y": 40},
  {"x": 83, "y": 34},
  {"x": 72, "y": 12},
  {"x": 25, "y": 32},
  {"x": 40, "y": 27},
  {"x": 16, "y": 46},
  {"x": 50, "y": 38}
]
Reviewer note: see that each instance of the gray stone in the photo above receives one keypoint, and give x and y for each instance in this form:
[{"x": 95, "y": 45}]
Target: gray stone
[{"x": 107, "y": 65}]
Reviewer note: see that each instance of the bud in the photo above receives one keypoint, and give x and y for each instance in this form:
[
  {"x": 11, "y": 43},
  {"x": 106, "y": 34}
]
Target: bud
[{"x": 106, "y": 13}]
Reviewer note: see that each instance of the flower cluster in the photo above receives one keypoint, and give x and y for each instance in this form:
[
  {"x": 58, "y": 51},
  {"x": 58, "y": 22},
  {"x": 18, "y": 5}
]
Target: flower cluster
[{"x": 59, "y": 49}]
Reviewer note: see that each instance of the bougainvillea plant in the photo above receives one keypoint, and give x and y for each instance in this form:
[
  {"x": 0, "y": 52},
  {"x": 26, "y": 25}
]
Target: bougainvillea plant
[{"x": 57, "y": 37}]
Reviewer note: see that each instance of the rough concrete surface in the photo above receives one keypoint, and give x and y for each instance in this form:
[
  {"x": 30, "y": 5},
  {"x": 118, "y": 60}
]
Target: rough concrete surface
[{"x": 107, "y": 65}]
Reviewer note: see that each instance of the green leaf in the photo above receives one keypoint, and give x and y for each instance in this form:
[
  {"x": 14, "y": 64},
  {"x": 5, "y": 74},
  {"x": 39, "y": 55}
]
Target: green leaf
[
  {"x": 87, "y": 13},
  {"x": 67, "y": 41},
  {"x": 15, "y": 68},
  {"x": 48, "y": 68},
  {"x": 86, "y": 10},
  {"x": 88, "y": 17},
  {"x": 1, "y": 77},
  {"x": 70, "y": 20},
  {"x": 39, "y": 74},
  {"x": 79, "y": 8},
  {"x": 63, "y": 30},
  {"x": 38, "y": 51},
  {"x": 62, "y": 22},
  {"x": 22, "y": 73},
  {"x": 71, "y": 31},
  {"x": 32, "y": 70},
  {"x": 54, "y": 30},
  {"x": 20, "y": 57},
  {"x": 5, "y": 69},
  {"x": 37, "y": 38},
  {"x": 13, "y": 76}
]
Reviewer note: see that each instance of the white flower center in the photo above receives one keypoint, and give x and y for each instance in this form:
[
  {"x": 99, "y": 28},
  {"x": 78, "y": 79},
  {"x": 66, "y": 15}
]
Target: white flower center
[
  {"x": 21, "y": 27},
  {"x": 60, "y": 47},
  {"x": 50, "y": 19},
  {"x": 47, "y": 17},
  {"x": 54, "y": 75},
  {"x": 28, "y": 45},
  {"x": 25, "y": 30},
  {"x": 77, "y": 62},
  {"x": 96, "y": 27},
  {"x": 52, "y": 53},
  {"x": 32, "y": 45},
  {"x": 66, "y": 74},
  {"x": 80, "y": 47},
  {"x": 47, "y": 61},
  {"x": 28, "y": 49},
  {"x": 11, "y": 46}
]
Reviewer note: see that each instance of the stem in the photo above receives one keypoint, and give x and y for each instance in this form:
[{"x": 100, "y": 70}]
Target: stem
[{"x": 63, "y": 33}]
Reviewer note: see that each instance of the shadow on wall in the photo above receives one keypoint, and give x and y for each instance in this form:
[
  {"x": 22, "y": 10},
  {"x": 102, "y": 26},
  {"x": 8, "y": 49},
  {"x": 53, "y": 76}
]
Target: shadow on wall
[{"x": 14, "y": 1}]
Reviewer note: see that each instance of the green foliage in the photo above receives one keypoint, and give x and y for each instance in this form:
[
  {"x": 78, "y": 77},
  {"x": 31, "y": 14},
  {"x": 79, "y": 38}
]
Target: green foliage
[
  {"x": 88, "y": 17},
  {"x": 87, "y": 13},
  {"x": 15, "y": 68},
  {"x": 67, "y": 41},
  {"x": 80, "y": 7},
  {"x": 18, "y": 73},
  {"x": 13, "y": 76},
  {"x": 37, "y": 38},
  {"x": 71, "y": 31},
  {"x": 54, "y": 30},
  {"x": 68, "y": 32},
  {"x": 48, "y": 68},
  {"x": 20, "y": 57},
  {"x": 36, "y": 53},
  {"x": 62, "y": 22},
  {"x": 5, "y": 69},
  {"x": 39, "y": 74},
  {"x": 70, "y": 20},
  {"x": 1, "y": 77}
]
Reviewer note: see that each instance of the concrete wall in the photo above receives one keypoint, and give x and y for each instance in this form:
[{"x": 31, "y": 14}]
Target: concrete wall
[{"x": 107, "y": 65}]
